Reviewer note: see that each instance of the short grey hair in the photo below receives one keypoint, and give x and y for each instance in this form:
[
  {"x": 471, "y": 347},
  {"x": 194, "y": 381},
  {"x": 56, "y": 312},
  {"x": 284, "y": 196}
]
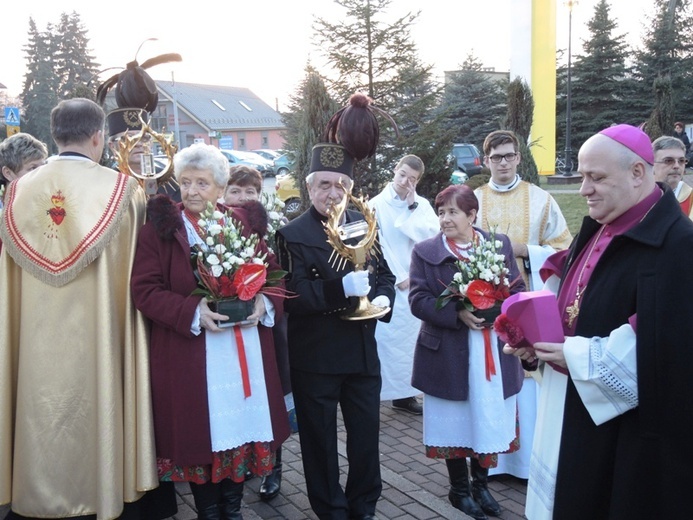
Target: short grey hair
[
  {"x": 310, "y": 178},
  {"x": 201, "y": 156},
  {"x": 19, "y": 149},
  {"x": 667, "y": 142}
]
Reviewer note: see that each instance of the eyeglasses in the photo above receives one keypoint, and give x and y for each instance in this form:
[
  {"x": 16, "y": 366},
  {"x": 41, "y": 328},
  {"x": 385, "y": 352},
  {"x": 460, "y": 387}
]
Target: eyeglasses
[
  {"x": 670, "y": 161},
  {"x": 509, "y": 157}
]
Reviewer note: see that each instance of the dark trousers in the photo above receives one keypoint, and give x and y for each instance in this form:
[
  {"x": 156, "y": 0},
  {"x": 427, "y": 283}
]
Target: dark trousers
[{"x": 316, "y": 397}]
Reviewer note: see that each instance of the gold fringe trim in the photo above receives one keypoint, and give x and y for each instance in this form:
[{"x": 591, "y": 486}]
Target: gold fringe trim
[{"x": 91, "y": 254}]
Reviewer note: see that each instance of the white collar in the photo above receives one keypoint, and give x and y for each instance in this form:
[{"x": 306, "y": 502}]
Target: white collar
[
  {"x": 507, "y": 187},
  {"x": 678, "y": 188},
  {"x": 394, "y": 195}
]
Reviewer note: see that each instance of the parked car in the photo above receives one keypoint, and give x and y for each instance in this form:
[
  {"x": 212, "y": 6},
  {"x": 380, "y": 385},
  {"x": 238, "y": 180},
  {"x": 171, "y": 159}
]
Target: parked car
[
  {"x": 467, "y": 158},
  {"x": 458, "y": 177},
  {"x": 284, "y": 164},
  {"x": 265, "y": 167},
  {"x": 287, "y": 191},
  {"x": 270, "y": 155}
]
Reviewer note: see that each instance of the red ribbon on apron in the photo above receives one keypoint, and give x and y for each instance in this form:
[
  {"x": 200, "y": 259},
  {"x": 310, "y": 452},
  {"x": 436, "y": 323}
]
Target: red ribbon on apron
[
  {"x": 242, "y": 360},
  {"x": 488, "y": 354}
]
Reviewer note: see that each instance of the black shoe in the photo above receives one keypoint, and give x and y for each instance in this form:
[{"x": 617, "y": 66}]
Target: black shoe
[
  {"x": 409, "y": 405},
  {"x": 484, "y": 498},
  {"x": 480, "y": 490},
  {"x": 249, "y": 475},
  {"x": 467, "y": 505},
  {"x": 271, "y": 484}
]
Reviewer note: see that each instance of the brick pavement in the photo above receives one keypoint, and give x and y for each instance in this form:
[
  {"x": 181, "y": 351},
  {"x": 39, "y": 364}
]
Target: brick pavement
[{"x": 414, "y": 487}]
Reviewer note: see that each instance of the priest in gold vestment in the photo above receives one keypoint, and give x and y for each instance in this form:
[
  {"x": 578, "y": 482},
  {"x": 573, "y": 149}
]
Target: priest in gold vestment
[
  {"x": 532, "y": 219},
  {"x": 76, "y": 434},
  {"x": 526, "y": 213}
]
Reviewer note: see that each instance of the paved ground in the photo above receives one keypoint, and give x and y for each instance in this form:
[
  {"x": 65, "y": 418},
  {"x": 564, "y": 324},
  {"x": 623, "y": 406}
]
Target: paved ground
[{"x": 414, "y": 487}]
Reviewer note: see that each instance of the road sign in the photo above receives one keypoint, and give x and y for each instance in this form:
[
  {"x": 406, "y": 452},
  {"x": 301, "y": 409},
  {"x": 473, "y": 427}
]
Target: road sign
[
  {"x": 11, "y": 130},
  {"x": 11, "y": 116}
]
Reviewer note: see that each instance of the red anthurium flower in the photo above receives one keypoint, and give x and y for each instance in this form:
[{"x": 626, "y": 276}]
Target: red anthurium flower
[
  {"x": 249, "y": 279},
  {"x": 228, "y": 289},
  {"x": 481, "y": 294}
]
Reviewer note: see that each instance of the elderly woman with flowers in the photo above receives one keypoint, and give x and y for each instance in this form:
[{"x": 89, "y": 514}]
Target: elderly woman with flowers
[
  {"x": 217, "y": 400},
  {"x": 469, "y": 386},
  {"x": 245, "y": 186}
]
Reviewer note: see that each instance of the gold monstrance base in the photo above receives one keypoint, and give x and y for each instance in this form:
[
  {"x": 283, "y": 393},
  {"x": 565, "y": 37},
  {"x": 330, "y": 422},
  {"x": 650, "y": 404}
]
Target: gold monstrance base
[
  {"x": 357, "y": 254},
  {"x": 365, "y": 311}
]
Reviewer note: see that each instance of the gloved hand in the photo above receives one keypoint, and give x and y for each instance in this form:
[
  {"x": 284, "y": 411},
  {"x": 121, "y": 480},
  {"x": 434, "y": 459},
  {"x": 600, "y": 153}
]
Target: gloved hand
[
  {"x": 356, "y": 283},
  {"x": 381, "y": 301}
]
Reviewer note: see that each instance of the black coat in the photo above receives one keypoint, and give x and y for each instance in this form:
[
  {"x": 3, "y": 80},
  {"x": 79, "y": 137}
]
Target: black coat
[
  {"x": 637, "y": 465},
  {"x": 319, "y": 340}
]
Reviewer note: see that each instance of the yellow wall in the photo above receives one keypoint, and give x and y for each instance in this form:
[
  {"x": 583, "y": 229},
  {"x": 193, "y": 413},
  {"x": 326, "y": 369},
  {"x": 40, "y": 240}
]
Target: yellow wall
[{"x": 544, "y": 84}]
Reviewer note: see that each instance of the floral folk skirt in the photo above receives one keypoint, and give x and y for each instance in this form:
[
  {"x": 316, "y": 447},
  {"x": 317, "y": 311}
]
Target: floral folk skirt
[
  {"x": 486, "y": 460},
  {"x": 255, "y": 457}
]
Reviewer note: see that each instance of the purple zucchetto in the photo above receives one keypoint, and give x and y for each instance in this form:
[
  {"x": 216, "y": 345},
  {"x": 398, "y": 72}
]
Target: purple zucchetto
[{"x": 632, "y": 138}]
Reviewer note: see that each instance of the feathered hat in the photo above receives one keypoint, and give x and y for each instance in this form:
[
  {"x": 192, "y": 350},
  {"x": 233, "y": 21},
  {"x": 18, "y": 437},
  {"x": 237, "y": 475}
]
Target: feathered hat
[
  {"x": 135, "y": 94},
  {"x": 351, "y": 135}
]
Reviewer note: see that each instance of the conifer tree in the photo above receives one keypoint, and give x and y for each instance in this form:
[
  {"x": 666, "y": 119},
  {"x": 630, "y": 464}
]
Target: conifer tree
[
  {"x": 365, "y": 51},
  {"x": 474, "y": 105},
  {"x": 519, "y": 119},
  {"x": 74, "y": 62},
  {"x": 599, "y": 78},
  {"x": 41, "y": 85},
  {"x": 667, "y": 51},
  {"x": 378, "y": 58},
  {"x": 309, "y": 111},
  {"x": 421, "y": 132}
]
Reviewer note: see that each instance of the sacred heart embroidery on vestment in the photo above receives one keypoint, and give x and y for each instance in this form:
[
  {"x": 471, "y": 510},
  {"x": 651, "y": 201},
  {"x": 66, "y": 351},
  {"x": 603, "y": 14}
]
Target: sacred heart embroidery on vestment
[{"x": 57, "y": 212}]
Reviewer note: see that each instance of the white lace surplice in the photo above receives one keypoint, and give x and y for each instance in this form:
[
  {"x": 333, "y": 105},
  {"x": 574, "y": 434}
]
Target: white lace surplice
[
  {"x": 484, "y": 423},
  {"x": 234, "y": 419}
]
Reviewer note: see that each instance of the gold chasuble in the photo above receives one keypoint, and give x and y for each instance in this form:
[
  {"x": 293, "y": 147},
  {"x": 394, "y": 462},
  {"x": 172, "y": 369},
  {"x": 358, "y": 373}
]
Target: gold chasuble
[
  {"x": 528, "y": 215},
  {"x": 76, "y": 431}
]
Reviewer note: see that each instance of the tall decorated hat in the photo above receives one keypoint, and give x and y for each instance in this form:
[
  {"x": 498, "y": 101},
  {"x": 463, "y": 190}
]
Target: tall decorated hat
[
  {"x": 351, "y": 135},
  {"x": 135, "y": 94}
]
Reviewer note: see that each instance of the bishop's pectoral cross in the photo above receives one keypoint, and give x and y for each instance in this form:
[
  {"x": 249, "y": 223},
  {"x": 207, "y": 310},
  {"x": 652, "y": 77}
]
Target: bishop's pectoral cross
[{"x": 573, "y": 311}]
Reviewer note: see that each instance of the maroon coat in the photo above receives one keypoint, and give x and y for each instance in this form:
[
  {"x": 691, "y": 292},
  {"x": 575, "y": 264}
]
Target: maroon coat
[
  {"x": 162, "y": 283},
  {"x": 441, "y": 357}
]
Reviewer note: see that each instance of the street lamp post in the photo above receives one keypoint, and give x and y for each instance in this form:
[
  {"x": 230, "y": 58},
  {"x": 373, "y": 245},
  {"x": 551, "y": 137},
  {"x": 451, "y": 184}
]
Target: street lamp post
[
  {"x": 568, "y": 163},
  {"x": 176, "y": 128}
]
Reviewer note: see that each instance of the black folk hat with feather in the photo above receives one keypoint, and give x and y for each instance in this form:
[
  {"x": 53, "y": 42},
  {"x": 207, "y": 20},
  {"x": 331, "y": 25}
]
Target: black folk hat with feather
[
  {"x": 135, "y": 94},
  {"x": 351, "y": 135}
]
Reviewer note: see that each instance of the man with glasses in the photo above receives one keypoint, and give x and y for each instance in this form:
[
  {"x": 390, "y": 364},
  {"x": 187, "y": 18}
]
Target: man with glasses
[
  {"x": 532, "y": 219},
  {"x": 669, "y": 168}
]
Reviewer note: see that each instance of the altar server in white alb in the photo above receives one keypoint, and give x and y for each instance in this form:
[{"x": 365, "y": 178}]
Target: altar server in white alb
[
  {"x": 404, "y": 218},
  {"x": 532, "y": 219}
]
